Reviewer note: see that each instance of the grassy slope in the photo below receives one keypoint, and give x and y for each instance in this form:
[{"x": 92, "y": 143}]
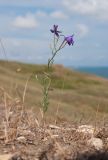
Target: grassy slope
[{"x": 76, "y": 95}]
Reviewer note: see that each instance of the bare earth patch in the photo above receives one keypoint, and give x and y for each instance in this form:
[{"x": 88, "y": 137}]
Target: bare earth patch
[{"x": 23, "y": 138}]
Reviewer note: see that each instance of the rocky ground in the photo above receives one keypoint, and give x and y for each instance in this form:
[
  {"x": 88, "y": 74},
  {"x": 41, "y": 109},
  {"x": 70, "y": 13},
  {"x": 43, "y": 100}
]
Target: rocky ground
[{"x": 22, "y": 137}]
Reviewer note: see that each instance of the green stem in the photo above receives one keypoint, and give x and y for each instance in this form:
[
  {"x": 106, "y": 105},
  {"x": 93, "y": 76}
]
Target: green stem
[{"x": 54, "y": 54}]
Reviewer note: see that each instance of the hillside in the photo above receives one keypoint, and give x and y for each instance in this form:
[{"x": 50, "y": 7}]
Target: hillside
[{"x": 73, "y": 95}]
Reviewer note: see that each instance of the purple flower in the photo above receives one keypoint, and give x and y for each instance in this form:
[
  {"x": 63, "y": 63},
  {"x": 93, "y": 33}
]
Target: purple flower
[
  {"x": 55, "y": 31},
  {"x": 69, "y": 40}
]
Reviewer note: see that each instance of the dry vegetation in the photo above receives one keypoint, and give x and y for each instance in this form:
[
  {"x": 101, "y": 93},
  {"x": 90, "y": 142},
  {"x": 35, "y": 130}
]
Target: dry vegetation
[
  {"x": 75, "y": 99},
  {"x": 74, "y": 95},
  {"x": 24, "y": 137}
]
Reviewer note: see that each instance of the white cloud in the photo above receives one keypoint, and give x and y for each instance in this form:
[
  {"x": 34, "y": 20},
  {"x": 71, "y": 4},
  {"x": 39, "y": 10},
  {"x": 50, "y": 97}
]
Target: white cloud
[
  {"x": 29, "y": 50},
  {"x": 58, "y": 15},
  {"x": 82, "y": 30},
  {"x": 40, "y": 13},
  {"x": 97, "y": 8},
  {"x": 28, "y": 21},
  {"x": 81, "y": 6}
]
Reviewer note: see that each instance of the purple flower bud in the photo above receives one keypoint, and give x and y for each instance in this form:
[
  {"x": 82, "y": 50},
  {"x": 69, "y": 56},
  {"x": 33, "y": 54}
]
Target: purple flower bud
[
  {"x": 69, "y": 40},
  {"x": 55, "y": 31}
]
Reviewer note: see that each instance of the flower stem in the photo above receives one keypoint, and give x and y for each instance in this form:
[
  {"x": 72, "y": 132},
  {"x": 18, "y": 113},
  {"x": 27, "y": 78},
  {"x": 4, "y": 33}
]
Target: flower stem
[{"x": 56, "y": 50}]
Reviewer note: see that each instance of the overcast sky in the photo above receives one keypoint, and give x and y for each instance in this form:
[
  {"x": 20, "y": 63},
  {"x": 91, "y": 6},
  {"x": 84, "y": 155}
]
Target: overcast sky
[{"x": 25, "y": 30}]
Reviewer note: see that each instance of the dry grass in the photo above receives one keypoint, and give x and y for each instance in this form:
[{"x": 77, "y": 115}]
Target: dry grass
[
  {"x": 24, "y": 136},
  {"x": 78, "y": 95}
]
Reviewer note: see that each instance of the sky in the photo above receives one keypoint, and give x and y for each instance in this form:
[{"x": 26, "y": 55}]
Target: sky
[{"x": 25, "y": 31}]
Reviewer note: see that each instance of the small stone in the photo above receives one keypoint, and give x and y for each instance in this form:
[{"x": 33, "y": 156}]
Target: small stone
[
  {"x": 54, "y": 127},
  {"x": 21, "y": 139},
  {"x": 86, "y": 129},
  {"x": 96, "y": 142}
]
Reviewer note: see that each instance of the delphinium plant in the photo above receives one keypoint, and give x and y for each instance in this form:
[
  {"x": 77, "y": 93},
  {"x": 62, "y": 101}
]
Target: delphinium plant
[
  {"x": 59, "y": 42},
  {"x": 57, "y": 37}
]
